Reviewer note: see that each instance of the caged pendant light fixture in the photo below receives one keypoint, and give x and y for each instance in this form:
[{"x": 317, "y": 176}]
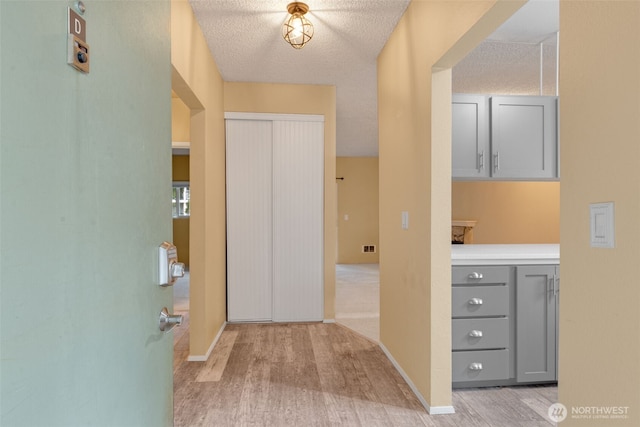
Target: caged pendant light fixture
[{"x": 297, "y": 30}]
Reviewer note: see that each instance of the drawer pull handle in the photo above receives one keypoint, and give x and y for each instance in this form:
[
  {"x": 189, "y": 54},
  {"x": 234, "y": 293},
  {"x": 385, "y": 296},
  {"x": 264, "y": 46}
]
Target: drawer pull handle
[
  {"x": 475, "y": 275},
  {"x": 475, "y": 367},
  {"x": 475, "y": 334},
  {"x": 475, "y": 301}
]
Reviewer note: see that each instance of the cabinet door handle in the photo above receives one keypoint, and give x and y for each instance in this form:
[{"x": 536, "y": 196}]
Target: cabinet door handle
[
  {"x": 475, "y": 334},
  {"x": 496, "y": 161},
  {"x": 475, "y": 275},
  {"x": 481, "y": 161},
  {"x": 476, "y": 301},
  {"x": 475, "y": 366}
]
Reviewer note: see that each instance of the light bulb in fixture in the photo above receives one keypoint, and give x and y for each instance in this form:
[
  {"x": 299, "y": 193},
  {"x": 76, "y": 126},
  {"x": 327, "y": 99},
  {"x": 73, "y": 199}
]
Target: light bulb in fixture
[{"x": 297, "y": 30}]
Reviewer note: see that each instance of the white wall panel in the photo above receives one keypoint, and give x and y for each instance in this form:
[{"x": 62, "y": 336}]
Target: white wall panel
[
  {"x": 298, "y": 166},
  {"x": 249, "y": 220}
]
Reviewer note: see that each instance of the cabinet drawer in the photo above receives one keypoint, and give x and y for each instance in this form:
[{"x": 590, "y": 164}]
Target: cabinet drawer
[
  {"x": 480, "y": 275},
  {"x": 480, "y": 365},
  {"x": 479, "y": 334},
  {"x": 478, "y": 301}
]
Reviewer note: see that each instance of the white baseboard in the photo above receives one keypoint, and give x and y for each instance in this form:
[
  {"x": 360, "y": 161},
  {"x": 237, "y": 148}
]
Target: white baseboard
[
  {"x": 329, "y": 321},
  {"x": 208, "y": 353},
  {"x": 432, "y": 410}
]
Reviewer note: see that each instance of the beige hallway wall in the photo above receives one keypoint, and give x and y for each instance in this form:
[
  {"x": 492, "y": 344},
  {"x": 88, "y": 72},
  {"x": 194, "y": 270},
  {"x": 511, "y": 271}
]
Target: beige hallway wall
[
  {"x": 414, "y": 102},
  {"x": 198, "y": 83},
  {"x": 180, "y": 120},
  {"x": 357, "y": 209},
  {"x": 599, "y": 134}
]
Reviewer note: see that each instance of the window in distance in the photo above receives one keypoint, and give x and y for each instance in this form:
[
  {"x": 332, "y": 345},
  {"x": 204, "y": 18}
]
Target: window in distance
[{"x": 180, "y": 199}]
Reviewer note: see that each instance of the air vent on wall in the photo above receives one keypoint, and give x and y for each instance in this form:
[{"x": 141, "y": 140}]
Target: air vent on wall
[{"x": 369, "y": 249}]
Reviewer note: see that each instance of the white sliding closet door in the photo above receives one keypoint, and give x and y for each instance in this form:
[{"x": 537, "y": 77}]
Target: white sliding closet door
[
  {"x": 298, "y": 206},
  {"x": 249, "y": 220},
  {"x": 275, "y": 211}
]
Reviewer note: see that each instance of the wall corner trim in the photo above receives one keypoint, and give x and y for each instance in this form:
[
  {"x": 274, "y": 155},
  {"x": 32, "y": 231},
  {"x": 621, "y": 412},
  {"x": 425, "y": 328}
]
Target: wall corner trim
[
  {"x": 441, "y": 410},
  {"x": 432, "y": 410},
  {"x": 329, "y": 321},
  {"x": 205, "y": 357}
]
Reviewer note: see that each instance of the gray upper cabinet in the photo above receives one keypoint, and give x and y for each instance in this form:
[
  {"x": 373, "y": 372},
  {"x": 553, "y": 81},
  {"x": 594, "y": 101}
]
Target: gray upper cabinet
[
  {"x": 524, "y": 137},
  {"x": 504, "y": 137},
  {"x": 537, "y": 289},
  {"x": 470, "y": 136}
]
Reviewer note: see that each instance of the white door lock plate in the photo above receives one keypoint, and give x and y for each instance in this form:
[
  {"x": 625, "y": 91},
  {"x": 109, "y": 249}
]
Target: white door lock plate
[{"x": 169, "y": 268}]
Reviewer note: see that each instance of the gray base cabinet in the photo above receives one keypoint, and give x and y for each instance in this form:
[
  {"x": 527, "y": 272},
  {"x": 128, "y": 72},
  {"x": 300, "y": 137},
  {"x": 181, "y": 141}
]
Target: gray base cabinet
[
  {"x": 481, "y": 326},
  {"x": 536, "y": 322},
  {"x": 504, "y": 324}
]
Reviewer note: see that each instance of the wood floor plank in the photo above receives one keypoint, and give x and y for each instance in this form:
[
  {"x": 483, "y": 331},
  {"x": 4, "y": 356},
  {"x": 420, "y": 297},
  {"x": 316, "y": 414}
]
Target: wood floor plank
[
  {"x": 465, "y": 415},
  {"x": 549, "y": 393},
  {"x": 214, "y": 367},
  {"x": 254, "y": 402},
  {"x": 502, "y": 405},
  {"x": 348, "y": 350},
  {"x": 339, "y": 406},
  {"x": 317, "y": 374},
  {"x": 181, "y": 331},
  {"x": 540, "y": 407},
  {"x": 538, "y": 398}
]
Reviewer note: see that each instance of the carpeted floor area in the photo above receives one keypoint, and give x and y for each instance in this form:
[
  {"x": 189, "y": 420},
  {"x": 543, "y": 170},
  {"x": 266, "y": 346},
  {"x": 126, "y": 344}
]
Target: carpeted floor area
[{"x": 358, "y": 298}]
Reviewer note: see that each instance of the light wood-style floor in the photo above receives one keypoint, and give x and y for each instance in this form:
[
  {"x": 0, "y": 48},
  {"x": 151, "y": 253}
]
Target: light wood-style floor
[{"x": 323, "y": 375}]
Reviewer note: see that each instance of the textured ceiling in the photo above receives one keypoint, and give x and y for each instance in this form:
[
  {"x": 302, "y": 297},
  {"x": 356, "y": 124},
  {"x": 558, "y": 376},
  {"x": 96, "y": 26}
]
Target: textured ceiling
[
  {"x": 519, "y": 58},
  {"x": 246, "y": 42},
  {"x": 245, "y": 39},
  {"x": 508, "y": 69}
]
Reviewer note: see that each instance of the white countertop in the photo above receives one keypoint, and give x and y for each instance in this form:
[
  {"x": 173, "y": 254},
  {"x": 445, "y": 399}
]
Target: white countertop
[{"x": 505, "y": 254}]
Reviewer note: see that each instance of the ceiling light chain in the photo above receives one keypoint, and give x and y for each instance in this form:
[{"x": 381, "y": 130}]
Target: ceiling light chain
[{"x": 297, "y": 30}]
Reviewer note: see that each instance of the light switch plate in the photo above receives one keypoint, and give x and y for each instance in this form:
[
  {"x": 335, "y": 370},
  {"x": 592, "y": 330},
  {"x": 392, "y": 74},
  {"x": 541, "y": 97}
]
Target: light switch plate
[
  {"x": 602, "y": 225},
  {"x": 405, "y": 220}
]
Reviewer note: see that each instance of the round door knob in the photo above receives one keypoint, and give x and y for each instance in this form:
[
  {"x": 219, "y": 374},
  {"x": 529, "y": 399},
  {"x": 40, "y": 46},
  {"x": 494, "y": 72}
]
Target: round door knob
[{"x": 168, "y": 321}]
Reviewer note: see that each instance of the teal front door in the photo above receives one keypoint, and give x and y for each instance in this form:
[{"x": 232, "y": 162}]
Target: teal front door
[{"x": 85, "y": 180}]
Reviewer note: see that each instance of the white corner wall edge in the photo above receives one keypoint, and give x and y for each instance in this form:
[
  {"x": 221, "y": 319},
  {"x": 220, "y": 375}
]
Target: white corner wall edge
[
  {"x": 432, "y": 410},
  {"x": 208, "y": 353},
  {"x": 274, "y": 116},
  {"x": 180, "y": 144}
]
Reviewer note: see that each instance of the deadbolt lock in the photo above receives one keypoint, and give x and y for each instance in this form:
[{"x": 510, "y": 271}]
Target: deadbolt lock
[{"x": 78, "y": 53}]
